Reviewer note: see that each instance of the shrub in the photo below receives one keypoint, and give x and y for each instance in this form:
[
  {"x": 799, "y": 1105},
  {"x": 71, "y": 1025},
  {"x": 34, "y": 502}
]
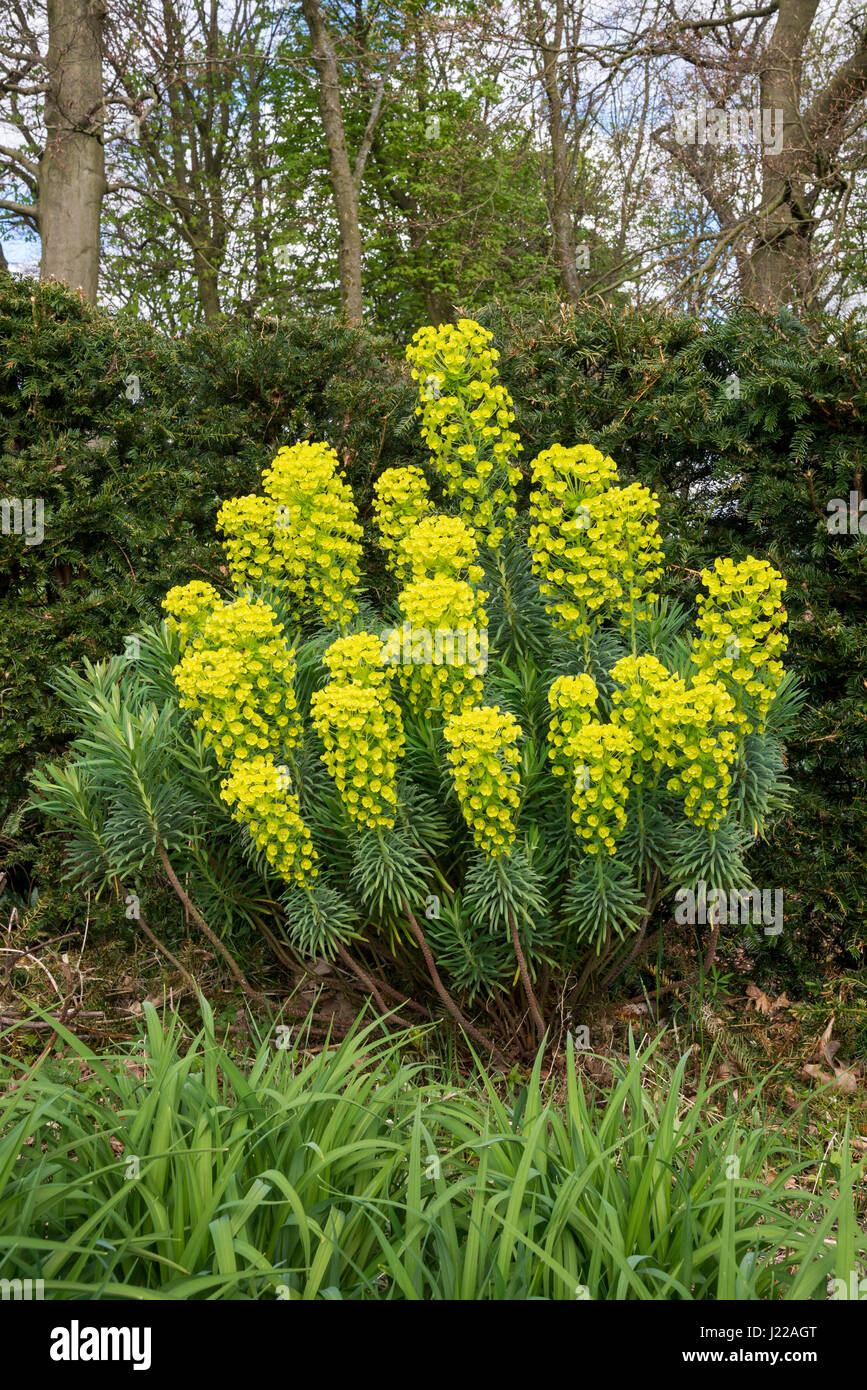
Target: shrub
[
  {"x": 133, "y": 490},
  {"x": 534, "y": 801}
]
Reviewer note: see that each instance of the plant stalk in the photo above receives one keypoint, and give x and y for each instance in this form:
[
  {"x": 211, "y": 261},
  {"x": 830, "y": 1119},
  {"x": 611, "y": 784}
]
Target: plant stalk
[{"x": 444, "y": 995}]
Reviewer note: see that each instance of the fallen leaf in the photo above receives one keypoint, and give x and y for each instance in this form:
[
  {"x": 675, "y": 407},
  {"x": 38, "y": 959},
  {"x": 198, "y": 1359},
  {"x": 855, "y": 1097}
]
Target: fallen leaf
[
  {"x": 763, "y": 1003},
  {"x": 845, "y": 1079},
  {"x": 758, "y": 1000},
  {"x": 825, "y": 1042}
]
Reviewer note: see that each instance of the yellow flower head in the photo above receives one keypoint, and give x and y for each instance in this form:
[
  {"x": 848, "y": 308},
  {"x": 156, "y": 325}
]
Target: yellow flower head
[
  {"x": 648, "y": 700},
  {"x": 483, "y": 753},
  {"x": 595, "y": 547},
  {"x": 465, "y": 421},
  {"x": 362, "y": 735},
  {"x": 447, "y": 628},
  {"x": 188, "y": 605},
  {"x": 602, "y": 759},
  {"x": 262, "y": 798},
  {"x": 572, "y": 700},
  {"x": 440, "y": 545},
  {"x": 400, "y": 501},
  {"x": 703, "y": 753},
  {"x": 250, "y": 525},
  {"x": 741, "y": 638},
  {"x": 237, "y": 677},
  {"x": 317, "y": 534}
]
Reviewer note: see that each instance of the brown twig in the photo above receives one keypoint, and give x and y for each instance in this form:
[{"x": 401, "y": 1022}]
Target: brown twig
[
  {"x": 526, "y": 981},
  {"x": 162, "y": 948},
  {"x": 203, "y": 926},
  {"x": 710, "y": 956},
  {"x": 648, "y": 910},
  {"x": 444, "y": 995},
  {"x": 404, "y": 1000},
  {"x": 378, "y": 987},
  {"x": 362, "y": 975}
]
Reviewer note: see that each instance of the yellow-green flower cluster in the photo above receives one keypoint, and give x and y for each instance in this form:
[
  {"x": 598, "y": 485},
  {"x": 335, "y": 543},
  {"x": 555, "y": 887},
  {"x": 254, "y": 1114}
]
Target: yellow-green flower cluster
[
  {"x": 483, "y": 752},
  {"x": 571, "y": 476},
  {"x": 441, "y": 545},
  {"x": 740, "y": 621},
  {"x": 594, "y": 546},
  {"x": 633, "y": 514},
  {"x": 572, "y": 700},
  {"x": 574, "y": 537},
  {"x": 317, "y": 533},
  {"x": 237, "y": 675},
  {"x": 357, "y": 658},
  {"x": 604, "y": 754},
  {"x": 401, "y": 501},
  {"x": 703, "y": 753},
  {"x": 449, "y": 606},
  {"x": 465, "y": 422},
  {"x": 649, "y": 699},
  {"x": 250, "y": 524},
  {"x": 188, "y": 605},
  {"x": 263, "y": 800},
  {"x": 362, "y": 732}
]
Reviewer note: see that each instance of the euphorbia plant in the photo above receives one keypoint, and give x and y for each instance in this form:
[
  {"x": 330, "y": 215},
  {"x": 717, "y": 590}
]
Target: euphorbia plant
[{"x": 506, "y": 764}]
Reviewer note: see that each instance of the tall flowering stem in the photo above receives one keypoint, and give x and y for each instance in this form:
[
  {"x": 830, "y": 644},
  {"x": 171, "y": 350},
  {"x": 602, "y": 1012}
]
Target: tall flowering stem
[
  {"x": 465, "y": 418},
  {"x": 483, "y": 754},
  {"x": 741, "y": 639},
  {"x": 318, "y": 538}
]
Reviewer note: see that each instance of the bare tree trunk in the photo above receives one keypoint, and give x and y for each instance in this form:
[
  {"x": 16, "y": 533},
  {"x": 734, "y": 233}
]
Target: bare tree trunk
[
  {"x": 772, "y": 245},
  {"x": 777, "y": 271},
  {"x": 257, "y": 191},
  {"x": 562, "y": 226},
  {"x": 72, "y": 169},
  {"x": 205, "y": 261},
  {"x": 343, "y": 182}
]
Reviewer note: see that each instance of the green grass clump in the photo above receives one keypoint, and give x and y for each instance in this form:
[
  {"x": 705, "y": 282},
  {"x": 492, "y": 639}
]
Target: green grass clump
[{"x": 171, "y": 1171}]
